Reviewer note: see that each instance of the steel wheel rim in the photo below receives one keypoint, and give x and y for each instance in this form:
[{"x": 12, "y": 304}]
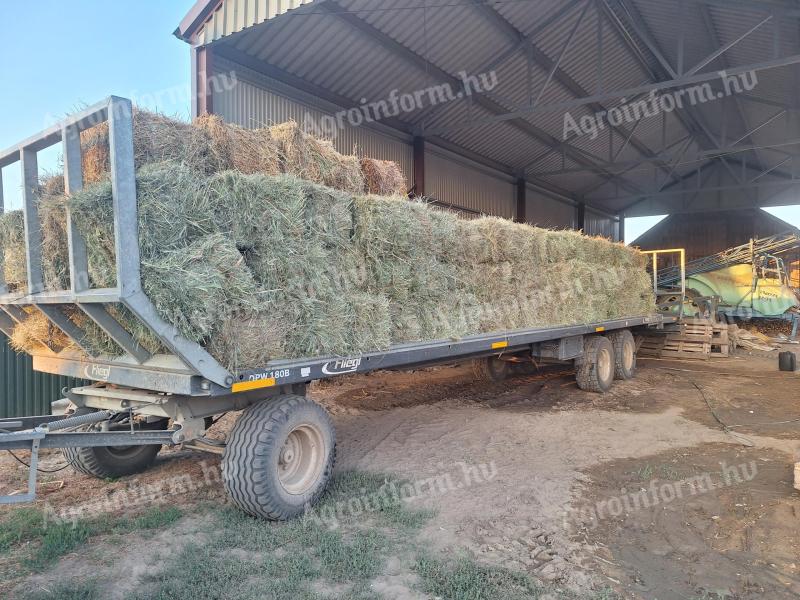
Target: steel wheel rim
[
  {"x": 604, "y": 364},
  {"x": 301, "y": 459},
  {"x": 628, "y": 356},
  {"x": 122, "y": 451}
]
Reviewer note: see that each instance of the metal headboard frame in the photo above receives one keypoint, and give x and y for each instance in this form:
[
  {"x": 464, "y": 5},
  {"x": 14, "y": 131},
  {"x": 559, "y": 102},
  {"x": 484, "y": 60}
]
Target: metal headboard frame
[{"x": 93, "y": 302}]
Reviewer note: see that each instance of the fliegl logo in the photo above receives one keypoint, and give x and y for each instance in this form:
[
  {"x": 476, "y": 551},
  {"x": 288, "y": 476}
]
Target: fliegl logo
[
  {"x": 342, "y": 366},
  {"x": 97, "y": 372}
]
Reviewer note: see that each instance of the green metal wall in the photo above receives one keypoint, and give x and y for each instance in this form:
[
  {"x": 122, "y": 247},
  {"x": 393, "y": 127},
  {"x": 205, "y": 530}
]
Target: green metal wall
[{"x": 23, "y": 391}]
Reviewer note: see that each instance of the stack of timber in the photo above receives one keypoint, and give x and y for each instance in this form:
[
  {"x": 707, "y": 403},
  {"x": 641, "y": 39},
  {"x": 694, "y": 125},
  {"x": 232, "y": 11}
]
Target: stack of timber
[
  {"x": 754, "y": 341},
  {"x": 700, "y": 339}
]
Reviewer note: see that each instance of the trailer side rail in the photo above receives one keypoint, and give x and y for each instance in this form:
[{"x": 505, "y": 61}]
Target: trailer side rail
[{"x": 291, "y": 372}]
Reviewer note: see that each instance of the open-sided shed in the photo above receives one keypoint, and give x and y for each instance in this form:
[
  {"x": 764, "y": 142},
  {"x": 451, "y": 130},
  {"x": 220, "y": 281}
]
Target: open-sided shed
[{"x": 567, "y": 113}]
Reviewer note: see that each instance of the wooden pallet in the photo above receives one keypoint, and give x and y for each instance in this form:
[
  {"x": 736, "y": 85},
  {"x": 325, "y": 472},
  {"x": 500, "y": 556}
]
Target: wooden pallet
[{"x": 698, "y": 339}]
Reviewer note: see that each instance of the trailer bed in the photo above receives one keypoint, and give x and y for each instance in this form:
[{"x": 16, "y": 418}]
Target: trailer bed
[{"x": 160, "y": 374}]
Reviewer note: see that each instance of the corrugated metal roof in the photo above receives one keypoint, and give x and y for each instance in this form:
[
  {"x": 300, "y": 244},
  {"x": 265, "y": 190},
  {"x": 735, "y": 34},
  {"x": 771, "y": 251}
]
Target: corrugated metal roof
[
  {"x": 362, "y": 50},
  {"x": 211, "y": 20}
]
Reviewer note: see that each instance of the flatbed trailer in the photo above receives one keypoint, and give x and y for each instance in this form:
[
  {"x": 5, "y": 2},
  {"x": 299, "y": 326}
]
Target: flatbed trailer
[{"x": 280, "y": 454}]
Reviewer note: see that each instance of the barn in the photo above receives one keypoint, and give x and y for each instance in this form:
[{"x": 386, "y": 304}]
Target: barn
[
  {"x": 709, "y": 233},
  {"x": 563, "y": 113}
]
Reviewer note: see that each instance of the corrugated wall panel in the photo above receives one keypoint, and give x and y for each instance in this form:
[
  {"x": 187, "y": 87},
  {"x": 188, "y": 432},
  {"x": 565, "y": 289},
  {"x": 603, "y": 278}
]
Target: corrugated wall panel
[
  {"x": 251, "y": 105},
  {"x": 453, "y": 183},
  {"x": 23, "y": 391},
  {"x": 597, "y": 224},
  {"x": 543, "y": 211}
]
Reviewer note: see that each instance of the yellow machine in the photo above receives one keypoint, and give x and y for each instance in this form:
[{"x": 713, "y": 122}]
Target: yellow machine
[
  {"x": 748, "y": 281},
  {"x": 748, "y": 290}
]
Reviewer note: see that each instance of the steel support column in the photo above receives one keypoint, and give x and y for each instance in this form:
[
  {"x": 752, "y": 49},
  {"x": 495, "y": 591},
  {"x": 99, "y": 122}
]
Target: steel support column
[
  {"x": 202, "y": 64},
  {"x": 580, "y": 216},
  {"x": 520, "y": 215},
  {"x": 418, "y": 189}
]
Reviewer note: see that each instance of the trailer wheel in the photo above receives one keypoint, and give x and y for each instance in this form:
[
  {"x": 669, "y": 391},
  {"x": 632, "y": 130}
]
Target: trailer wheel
[
  {"x": 279, "y": 457},
  {"x": 595, "y": 369},
  {"x": 104, "y": 462},
  {"x": 490, "y": 369},
  {"x": 624, "y": 354}
]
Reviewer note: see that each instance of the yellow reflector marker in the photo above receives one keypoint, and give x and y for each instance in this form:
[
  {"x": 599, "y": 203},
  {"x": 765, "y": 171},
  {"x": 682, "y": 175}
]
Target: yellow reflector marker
[
  {"x": 499, "y": 345},
  {"x": 600, "y": 329},
  {"x": 247, "y": 386}
]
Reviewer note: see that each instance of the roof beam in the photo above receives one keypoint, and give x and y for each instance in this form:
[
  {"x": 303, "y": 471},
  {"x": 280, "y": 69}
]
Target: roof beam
[
  {"x": 541, "y": 59},
  {"x": 483, "y": 100},
  {"x": 705, "y": 155},
  {"x": 709, "y": 26},
  {"x": 719, "y": 52},
  {"x": 642, "y": 32},
  {"x": 691, "y": 119},
  {"x": 629, "y": 92},
  {"x": 697, "y": 122},
  {"x": 787, "y": 9},
  {"x": 719, "y": 188},
  {"x": 703, "y": 174}
]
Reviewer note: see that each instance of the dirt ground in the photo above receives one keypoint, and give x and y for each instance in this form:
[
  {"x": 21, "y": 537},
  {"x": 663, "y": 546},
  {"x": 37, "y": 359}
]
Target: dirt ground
[{"x": 641, "y": 489}]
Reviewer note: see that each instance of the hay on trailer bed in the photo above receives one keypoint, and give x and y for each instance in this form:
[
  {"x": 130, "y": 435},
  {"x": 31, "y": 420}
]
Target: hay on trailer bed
[
  {"x": 383, "y": 177},
  {"x": 12, "y": 241},
  {"x": 316, "y": 159},
  {"x": 245, "y": 150},
  {"x": 156, "y": 138},
  {"x": 210, "y": 145},
  {"x": 36, "y": 332},
  {"x": 259, "y": 267}
]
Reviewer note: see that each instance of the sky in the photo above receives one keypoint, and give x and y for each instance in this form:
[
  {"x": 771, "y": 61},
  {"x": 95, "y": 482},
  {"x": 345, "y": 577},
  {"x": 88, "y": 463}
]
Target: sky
[{"x": 57, "y": 56}]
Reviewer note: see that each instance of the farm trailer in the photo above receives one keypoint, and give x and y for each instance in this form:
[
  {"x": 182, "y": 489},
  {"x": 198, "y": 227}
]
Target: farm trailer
[{"x": 280, "y": 453}]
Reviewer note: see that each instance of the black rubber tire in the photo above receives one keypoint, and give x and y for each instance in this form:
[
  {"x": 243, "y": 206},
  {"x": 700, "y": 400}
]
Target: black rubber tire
[
  {"x": 490, "y": 369},
  {"x": 589, "y": 377},
  {"x": 787, "y": 361},
  {"x": 250, "y": 465},
  {"x": 624, "y": 354},
  {"x": 525, "y": 368},
  {"x": 108, "y": 462}
]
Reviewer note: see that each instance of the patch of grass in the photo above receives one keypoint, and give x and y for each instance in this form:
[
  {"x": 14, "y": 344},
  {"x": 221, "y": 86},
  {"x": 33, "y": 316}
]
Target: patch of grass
[
  {"x": 464, "y": 579},
  {"x": 356, "y": 559},
  {"x": 644, "y": 473},
  {"x": 336, "y": 551},
  {"x": 669, "y": 472},
  {"x": 155, "y": 518},
  {"x": 58, "y": 540},
  {"x": 345, "y": 541},
  {"x": 65, "y": 591},
  {"x": 51, "y": 539},
  {"x": 664, "y": 471},
  {"x": 201, "y": 572},
  {"x": 21, "y": 526}
]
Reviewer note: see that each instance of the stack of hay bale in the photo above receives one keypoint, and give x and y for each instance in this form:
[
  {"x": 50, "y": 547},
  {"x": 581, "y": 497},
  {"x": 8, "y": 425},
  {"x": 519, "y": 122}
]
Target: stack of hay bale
[{"x": 267, "y": 243}]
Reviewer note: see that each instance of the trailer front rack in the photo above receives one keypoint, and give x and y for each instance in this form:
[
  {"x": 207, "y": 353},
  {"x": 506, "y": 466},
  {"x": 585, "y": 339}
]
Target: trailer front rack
[{"x": 94, "y": 302}]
